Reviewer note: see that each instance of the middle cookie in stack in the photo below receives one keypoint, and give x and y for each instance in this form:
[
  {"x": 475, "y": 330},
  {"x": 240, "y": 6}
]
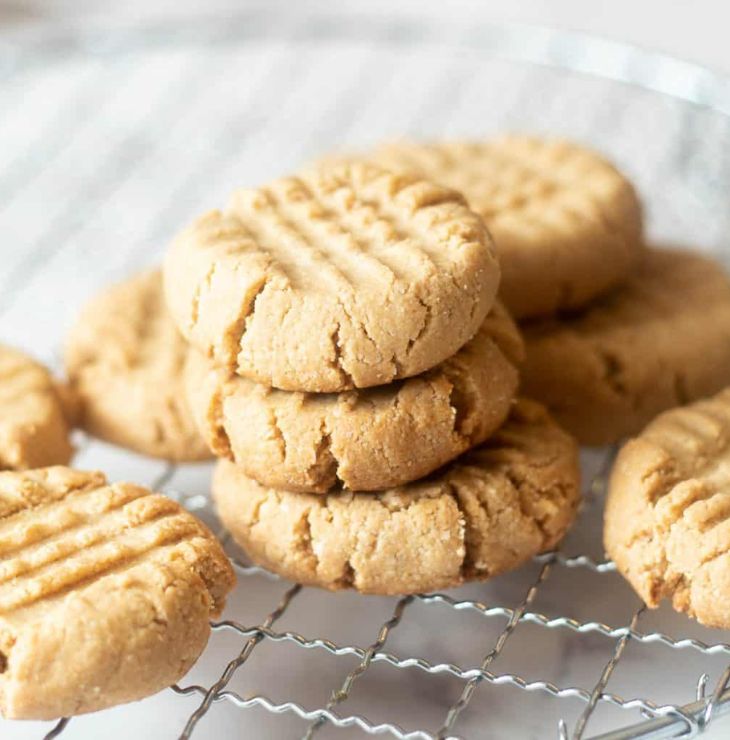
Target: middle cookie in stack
[{"x": 348, "y": 341}]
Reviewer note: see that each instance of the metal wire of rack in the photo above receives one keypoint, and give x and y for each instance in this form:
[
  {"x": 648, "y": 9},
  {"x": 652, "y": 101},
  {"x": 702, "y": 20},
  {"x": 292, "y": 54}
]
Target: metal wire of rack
[{"x": 119, "y": 138}]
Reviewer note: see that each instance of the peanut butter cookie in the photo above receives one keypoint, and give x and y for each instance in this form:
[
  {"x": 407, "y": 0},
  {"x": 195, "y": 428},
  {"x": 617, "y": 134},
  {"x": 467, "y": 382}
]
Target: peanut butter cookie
[
  {"x": 660, "y": 341},
  {"x": 667, "y": 519},
  {"x": 33, "y": 429},
  {"x": 106, "y": 592},
  {"x": 365, "y": 439},
  {"x": 484, "y": 514},
  {"x": 566, "y": 223},
  {"x": 124, "y": 359},
  {"x": 342, "y": 277}
]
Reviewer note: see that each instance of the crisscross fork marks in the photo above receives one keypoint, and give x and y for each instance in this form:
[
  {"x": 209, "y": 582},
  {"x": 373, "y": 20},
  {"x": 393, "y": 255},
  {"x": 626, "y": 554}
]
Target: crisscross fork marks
[
  {"x": 87, "y": 531},
  {"x": 214, "y": 691},
  {"x": 331, "y": 235},
  {"x": 351, "y": 238},
  {"x": 341, "y": 694},
  {"x": 608, "y": 669},
  {"x": 84, "y": 566},
  {"x": 288, "y": 244},
  {"x": 468, "y": 691},
  {"x": 40, "y": 541},
  {"x": 494, "y": 178}
]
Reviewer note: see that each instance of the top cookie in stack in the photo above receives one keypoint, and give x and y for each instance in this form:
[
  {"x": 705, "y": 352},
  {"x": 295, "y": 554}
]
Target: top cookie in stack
[{"x": 344, "y": 277}]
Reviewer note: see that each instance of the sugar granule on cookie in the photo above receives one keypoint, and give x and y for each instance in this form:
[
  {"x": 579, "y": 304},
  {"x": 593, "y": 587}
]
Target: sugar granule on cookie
[
  {"x": 365, "y": 439},
  {"x": 567, "y": 224},
  {"x": 124, "y": 358},
  {"x": 660, "y": 341},
  {"x": 106, "y": 591},
  {"x": 33, "y": 428},
  {"x": 341, "y": 277},
  {"x": 484, "y": 514},
  {"x": 667, "y": 518}
]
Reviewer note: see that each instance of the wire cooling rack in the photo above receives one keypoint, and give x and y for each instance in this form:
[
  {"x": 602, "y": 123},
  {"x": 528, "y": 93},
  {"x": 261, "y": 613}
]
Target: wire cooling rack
[{"x": 111, "y": 141}]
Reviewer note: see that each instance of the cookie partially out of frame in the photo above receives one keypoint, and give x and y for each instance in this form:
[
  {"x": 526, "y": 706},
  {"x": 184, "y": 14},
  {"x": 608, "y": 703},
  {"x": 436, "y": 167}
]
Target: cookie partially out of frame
[
  {"x": 660, "y": 341},
  {"x": 124, "y": 358},
  {"x": 567, "y": 224},
  {"x": 33, "y": 427},
  {"x": 342, "y": 277},
  {"x": 667, "y": 520},
  {"x": 484, "y": 514},
  {"x": 363, "y": 439},
  {"x": 106, "y": 591}
]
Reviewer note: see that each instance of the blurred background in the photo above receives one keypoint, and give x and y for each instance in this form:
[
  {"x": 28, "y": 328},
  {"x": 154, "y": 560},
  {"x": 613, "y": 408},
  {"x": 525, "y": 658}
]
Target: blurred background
[{"x": 693, "y": 29}]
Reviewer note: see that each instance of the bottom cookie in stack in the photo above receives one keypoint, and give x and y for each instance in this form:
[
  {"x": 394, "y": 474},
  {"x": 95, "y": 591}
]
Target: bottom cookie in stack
[{"x": 483, "y": 514}]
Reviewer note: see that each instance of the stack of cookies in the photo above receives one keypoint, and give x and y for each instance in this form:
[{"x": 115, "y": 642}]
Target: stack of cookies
[
  {"x": 342, "y": 341},
  {"x": 353, "y": 370}
]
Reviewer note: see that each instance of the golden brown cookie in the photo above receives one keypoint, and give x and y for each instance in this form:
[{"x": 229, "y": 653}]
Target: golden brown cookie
[
  {"x": 106, "y": 592},
  {"x": 365, "y": 439},
  {"x": 667, "y": 519},
  {"x": 124, "y": 359},
  {"x": 33, "y": 429},
  {"x": 342, "y": 277},
  {"x": 661, "y": 341},
  {"x": 484, "y": 514},
  {"x": 566, "y": 223}
]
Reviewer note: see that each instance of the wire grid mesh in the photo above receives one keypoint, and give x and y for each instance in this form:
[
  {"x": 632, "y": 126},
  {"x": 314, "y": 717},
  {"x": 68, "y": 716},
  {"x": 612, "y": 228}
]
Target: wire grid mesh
[{"x": 112, "y": 142}]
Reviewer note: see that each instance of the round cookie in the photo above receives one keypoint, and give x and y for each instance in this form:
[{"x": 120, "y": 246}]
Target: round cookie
[
  {"x": 567, "y": 224},
  {"x": 33, "y": 428},
  {"x": 125, "y": 359},
  {"x": 342, "y": 277},
  {"x": 106, "y": 592},
  {"x": 661, "y": 341},
  {"x": 365, "y": 439},
  {"x": 667, "y": 518},
  {"x": 484, "y": 514}
]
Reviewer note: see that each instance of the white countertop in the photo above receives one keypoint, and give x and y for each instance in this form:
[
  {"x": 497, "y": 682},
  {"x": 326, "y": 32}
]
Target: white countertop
[{"x": 696, "y": 31}]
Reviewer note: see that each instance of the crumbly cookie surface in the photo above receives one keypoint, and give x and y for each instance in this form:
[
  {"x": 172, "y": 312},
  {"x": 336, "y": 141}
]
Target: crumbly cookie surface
[
  {"x": 106, "y": 591},
  {"x": 486, "y": 513},
  {"x": 667, "y": 519},
  {"x": 567, "y": 224},
  {"x": 363, "y": 439},
  {"x": 33, "y": 428},
  {"x": 124, "y": 358},
  {"x": 342, "y": 277},
  {"x": 661, "y": 341}
]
